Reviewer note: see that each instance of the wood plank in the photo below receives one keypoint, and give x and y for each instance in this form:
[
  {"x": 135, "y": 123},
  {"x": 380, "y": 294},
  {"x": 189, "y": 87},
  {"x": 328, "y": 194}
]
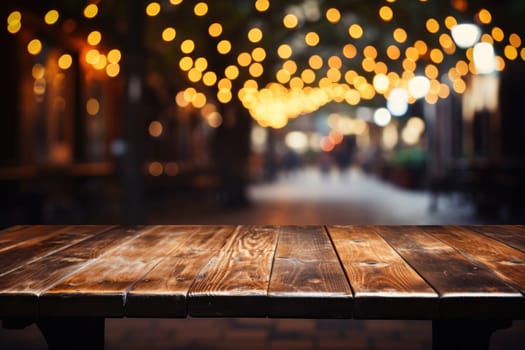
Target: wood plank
[
  {"x": 13, "y": 236},
  {"x": 100, "y": 288},
  {"x": 235, "y": 281},
  {"x": 508, "y": 263},
  {"x": 48, "y": 242},
  {"x": 463, "y": 285},
  {"x": 163, "y": 291},
  {"x": 14, "y": 228},
  {"x": 513, "y": 235},
  {"x": 384, "y": 285},
  {"x": 307, "y": 280},
  {"x": 20, "y": 289}
]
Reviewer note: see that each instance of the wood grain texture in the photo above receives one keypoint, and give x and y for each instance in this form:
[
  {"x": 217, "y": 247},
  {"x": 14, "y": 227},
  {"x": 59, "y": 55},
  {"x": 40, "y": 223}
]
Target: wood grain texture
[
  {"x": 513, "y": 235},
  {"x": 307, "y": 279},
  {"x": 46, "y": 243},
  {"x": 508, "y": 263},
  {"x": 428, "y": 272},
  {"x": 235, "y": 282},
  {"x": 466, "y": 288},
  {"x": 99, "y": 289},
  {"x": 384, "y": 285},
  {"x": 12, "y": 236},
  {"x": 20, "y": 289},
  {"x": 163, "y": 291}
]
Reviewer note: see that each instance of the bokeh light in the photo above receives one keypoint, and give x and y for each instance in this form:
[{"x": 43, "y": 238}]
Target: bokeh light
[
  {"x": 92, "y": 106},
  {"x": 290, "y": 21},
  {"x": 333, "y": 15},
  {"x": 306, "y": 65},
  {"x": 65, "y": 61},
  {"x": 91, "y": 11},
  {"x": 386, "y": 13},
  {"x": 94, "y": 38},
  {"x": 262, "y": 5},
  {"x": 34, "y": 47},
  {"x": 155, "y": 129},
  {"x": 153, "y": 9},
  {"x": 200, "y": 9},
  {"x": 169, "y": 34},
  {"x": 51, "y": 17},
  {"x": 311, "y": 39},
  {"x": 355, "y": 31},
  {"x": 215, "y": 29},
  {"x": 255, "y": 35}
]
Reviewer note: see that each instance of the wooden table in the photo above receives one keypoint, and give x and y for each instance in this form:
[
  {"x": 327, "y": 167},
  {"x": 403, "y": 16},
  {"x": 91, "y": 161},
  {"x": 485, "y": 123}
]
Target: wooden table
[{"x": 469, "y": 280}]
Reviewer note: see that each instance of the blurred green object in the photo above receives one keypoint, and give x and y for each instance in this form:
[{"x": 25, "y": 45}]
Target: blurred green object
[{"x": 415, "y": 157}]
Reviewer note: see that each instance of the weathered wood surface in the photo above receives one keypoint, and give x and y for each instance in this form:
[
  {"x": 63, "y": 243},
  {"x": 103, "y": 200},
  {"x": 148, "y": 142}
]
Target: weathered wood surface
[
  {"x": 307, "y": 279},
  {"x": 100, "y": 288},
  {"x": 235, "y": 282},
  {"x": 506, "y": 262},
  {"x": 513, "y": 235},
  {"x": 388, "y": 272},
  {"x": 466, "y": 288},
  {"x": 20, "y": 289},
  {"x": 35, "y": 244},
  {"x": 384, "y": 284},
  {"x": 163, "y": 291},
  {"x": 14, "y": 235}
]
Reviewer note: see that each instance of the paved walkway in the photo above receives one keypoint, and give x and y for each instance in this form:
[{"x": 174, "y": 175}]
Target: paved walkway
[{"x": 307, "y": 197}]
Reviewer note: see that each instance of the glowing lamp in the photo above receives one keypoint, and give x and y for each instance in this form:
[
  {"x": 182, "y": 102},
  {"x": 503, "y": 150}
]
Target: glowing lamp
[
  {"x": 484, "y": 58},
  {"x": 397, "y": 102},
  {"x": 465, "y": 35},
  {"x": 419, "y": 86},
  {"x": 382, "y": 117}
]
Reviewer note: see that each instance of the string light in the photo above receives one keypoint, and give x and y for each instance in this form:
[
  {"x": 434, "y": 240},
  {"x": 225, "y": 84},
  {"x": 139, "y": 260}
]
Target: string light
[
  {"x": 94, "y": 38},
  {"x": 255, "y": 35},
  {"x": 34, "y": 47},
  {"x": 91, "y": 11},
  {"x": 290, "y": 21},
  {"x": 153, "y": 9},
  {"x": 262, "y": 5},
  {"x": 51, "y": 17},
  {"x": 169, "y": 34},
  {"x": 65, "y": 61},
  {"x": 327, "y": 77},
  {"x": 284, "y": 51},
  {"x": 311, "y": 39},
  {"x": 333, "y": 15},
  {"x": 215, "y": 29},
  {"x": 112, "y": 70},
  {"x": 14, "y": 22},
  {"x": 386, "y": 13},
  {"x": 355, "y": 31},
  {"x": 200, "y": 9},
  {"x": 224, "y": 47}
]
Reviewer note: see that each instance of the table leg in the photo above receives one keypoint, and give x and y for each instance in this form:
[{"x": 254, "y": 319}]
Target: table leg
[
  {"x": 465, "y": 334},
  {"x": 73, "y": 333}
]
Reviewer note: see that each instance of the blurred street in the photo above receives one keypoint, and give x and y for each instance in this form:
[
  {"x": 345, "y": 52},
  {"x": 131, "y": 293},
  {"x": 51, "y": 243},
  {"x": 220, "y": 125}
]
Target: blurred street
[{"x": 308, "y": 197}]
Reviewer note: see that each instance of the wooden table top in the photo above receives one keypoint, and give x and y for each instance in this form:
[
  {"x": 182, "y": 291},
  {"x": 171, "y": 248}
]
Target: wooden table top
[{"x": 374, "y": 272}]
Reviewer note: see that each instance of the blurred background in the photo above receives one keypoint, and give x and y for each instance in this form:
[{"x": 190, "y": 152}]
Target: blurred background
[{"x": 260, "y": 111}]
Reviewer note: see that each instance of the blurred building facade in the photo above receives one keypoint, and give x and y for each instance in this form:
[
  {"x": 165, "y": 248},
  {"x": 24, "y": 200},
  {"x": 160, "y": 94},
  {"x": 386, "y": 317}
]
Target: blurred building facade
[{"x": 61, "y": 117}]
